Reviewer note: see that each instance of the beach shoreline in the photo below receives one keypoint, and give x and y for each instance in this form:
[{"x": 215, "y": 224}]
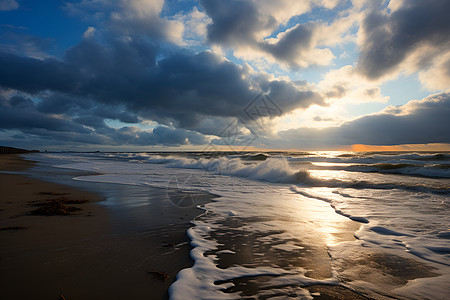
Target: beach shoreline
[
  {"x": 129, "y": 240},
  {"x": 86, "y": 253}
]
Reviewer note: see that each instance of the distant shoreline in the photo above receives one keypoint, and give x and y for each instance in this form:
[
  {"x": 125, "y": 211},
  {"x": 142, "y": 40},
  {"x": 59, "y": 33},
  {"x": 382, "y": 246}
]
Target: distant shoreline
[{"x": 12, "y": 150}]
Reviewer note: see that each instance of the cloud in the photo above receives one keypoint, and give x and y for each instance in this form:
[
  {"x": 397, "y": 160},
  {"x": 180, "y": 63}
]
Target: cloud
[
  {"x": 412, "y": 37},
  {"x": 180, "y": 89},
  {"x": 15, "y": 39},
  {"x": 194, "y": 23},
  {"x": 21, "y": 114},
  {"x": 246, "y": 27},
  {"x": 142, "y": 61},
  {"x": 7, "y": 5},
  {"x": 127, "y": 18},
  {"x": 142, "y": 17},
  {"x": 323, "y": 119},
  {"x": 347, "y": 85},
  {"x": 130, "y": 79},
  {"x": 297, "y": 47},
  {"x": 436, "y": 76},
  {"x": 32, "y": 75},
  {"x": 416, "y": 122},
  {"x": 237, "y": 21},
  {"x": 89, "y": 33},
  {"x": 123, "y": 69},
  {"x": 170, "y": 136}
]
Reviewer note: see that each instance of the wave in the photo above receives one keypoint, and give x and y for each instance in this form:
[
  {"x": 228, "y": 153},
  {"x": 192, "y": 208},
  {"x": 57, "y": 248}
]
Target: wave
[
  {"x": 429, "y": 170},
  {"x": 413, "y": 156},
  {"x": 388, "y": 166},
  {"x": 376, "y": 157},
  {"x": 277, "y": 169},
  {"x": 257, "y": 157},
  {"x": 435, "y": 157}
]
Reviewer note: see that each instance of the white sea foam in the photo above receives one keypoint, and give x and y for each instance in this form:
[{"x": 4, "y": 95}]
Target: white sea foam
[
  {"x": 420, "y": 288},
  {"x": 200, "y": 281},
  {"x": 414, "y": 227}
]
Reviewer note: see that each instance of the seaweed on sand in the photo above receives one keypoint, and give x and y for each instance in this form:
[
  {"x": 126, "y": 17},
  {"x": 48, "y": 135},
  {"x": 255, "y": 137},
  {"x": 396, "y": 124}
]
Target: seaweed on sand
[{"x": 56, "y": 207}]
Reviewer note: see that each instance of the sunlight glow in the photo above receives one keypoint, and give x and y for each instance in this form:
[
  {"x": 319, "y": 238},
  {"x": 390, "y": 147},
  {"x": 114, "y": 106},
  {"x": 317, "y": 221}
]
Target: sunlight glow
[{"x": 406, "y": 147}]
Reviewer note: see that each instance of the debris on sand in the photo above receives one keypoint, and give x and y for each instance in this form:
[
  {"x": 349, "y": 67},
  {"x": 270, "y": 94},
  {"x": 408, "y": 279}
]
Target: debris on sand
[
  {"x": 56, "y": 207},
  {"x": 160, "y": 275}
]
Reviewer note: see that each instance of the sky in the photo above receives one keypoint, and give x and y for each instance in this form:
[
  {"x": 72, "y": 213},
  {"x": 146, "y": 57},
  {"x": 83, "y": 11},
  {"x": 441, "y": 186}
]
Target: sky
[{"x": 155, "y": 75}]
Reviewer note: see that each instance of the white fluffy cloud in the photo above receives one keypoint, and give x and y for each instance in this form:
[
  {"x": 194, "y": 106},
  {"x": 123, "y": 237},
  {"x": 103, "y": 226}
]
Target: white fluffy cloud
[
  {"x": 347, "y": 85},
  {"x": 89, "y": 33},
  {"x": 194, "y": 24}
]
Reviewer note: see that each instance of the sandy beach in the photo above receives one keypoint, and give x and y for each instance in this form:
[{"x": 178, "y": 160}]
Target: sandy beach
[{"x": 84, "y": 254}]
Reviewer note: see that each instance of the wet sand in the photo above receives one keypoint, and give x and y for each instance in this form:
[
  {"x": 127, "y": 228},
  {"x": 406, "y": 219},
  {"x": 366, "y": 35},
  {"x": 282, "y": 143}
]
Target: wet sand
[
  {"x": 93, "y": 252},
  {"x": 318, "y": 248}
]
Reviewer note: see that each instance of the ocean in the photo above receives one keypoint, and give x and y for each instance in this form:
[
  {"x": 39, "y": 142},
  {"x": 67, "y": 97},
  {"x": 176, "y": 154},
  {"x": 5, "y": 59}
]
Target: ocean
[{"x": 285, "y": 224}]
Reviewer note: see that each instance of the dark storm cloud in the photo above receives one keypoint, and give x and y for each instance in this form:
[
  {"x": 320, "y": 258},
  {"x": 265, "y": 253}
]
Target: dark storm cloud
[
  {"x": 116, "y": 114},
  {"x": 180, "y": 89},
  {"x": 390, "y": 38},
  {"x": 417, "y": 122},
  {"x": 91, "y": 121},
  {"x": 292, "y": 44},
  {"x": 59, "y": 103},
  {"x": 171, "y": 136},
  {"x": 128, "y": 68},
  {"x": 20, "y": 113},
  {"x": 16, "y": 40},
  {"x": 290, "y": 95},
  {"x": 236, "y": 21},
  {"x": 33, "y": 75},
  {"x": 158, "y": 136}
]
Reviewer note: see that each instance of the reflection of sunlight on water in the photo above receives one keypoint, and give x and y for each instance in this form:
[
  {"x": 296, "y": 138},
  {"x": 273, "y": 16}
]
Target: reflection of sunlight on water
[
  {"x": 331, "y": 174},
  {"x": 377, "y": 178},
  {"x": 332, "y": 154},
  {"x": 331, "y": 164},
  {"x": 314, "y": 220},
  {"x": 330, "y": 224}
]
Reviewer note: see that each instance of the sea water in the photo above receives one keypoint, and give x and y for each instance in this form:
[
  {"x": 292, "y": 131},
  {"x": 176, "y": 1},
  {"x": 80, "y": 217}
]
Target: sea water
[{"x": 382, "y": 220}]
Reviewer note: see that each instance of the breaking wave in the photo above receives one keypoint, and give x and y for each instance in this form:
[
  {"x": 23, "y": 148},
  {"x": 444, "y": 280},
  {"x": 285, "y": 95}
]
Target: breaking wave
[{"x": 277, "y": 169}]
